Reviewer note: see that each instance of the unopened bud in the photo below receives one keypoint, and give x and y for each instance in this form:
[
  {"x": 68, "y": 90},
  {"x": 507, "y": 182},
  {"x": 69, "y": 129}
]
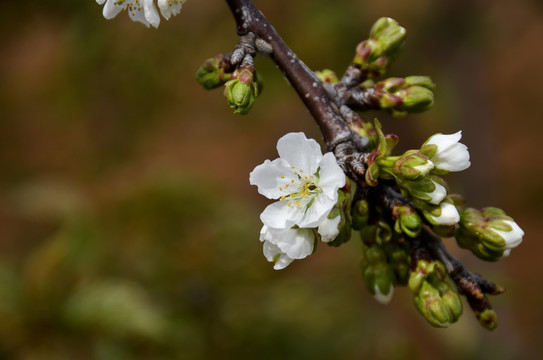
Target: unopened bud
[
  {"x": 399, "y": 260},
  {"x": 488, "y": 319},
  {"x": 378, "y": 275},
  {"x": 241, "y": 91},
  {"x": 360, "y": 213},
  {"x": 437, "y": 302},
  {"x": 210, "y": 75},
  {"x": 428, "y": 189},
  {"x": 407, "y": 220},
  {"x": 413, "y": 166},
  {"x": 381, "y": 49},
  {"x": 489, "y": 233}
]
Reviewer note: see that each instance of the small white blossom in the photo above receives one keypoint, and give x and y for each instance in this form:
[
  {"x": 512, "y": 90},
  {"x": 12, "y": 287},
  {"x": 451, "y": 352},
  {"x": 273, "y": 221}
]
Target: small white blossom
[
  {"x": 143, "y": 11},
  {"x": 305, "y": 182},
  {"x": 328, "y": 229},
  {"x": 512, "y": 238},
  {"x": 425, "y": 168},
  {"x": 446, "y": 152},
  {"x": 284, "y": 246},
  {"x": 449, "y": 215},
  {"x": 438, "y": 194},
  {"x": 383, "y": 298}
]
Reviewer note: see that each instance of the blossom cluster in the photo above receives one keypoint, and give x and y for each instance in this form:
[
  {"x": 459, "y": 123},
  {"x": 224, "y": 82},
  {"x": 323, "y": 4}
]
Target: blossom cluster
[
  {"x": 143, "y": 11},
  {"x": 305, "y": 184},
  {"x": 315, "y": 202}
]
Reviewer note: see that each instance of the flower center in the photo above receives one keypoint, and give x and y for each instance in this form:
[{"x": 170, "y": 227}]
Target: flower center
[{"x": 303, "y": 189}]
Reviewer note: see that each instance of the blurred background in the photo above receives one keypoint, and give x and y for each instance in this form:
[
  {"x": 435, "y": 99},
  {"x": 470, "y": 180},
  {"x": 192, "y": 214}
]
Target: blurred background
[{"x": 129, "y": 230}]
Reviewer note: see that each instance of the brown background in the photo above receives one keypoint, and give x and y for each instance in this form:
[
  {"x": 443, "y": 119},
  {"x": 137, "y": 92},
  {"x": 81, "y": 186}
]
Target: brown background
[{"x": 117, "y": 168}]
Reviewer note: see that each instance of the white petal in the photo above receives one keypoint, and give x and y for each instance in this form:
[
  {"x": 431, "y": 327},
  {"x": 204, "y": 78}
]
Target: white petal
[
  {"x": 280, "y": 215},
  {"x": 170, "y": 7},
  {"x": 438, "y": 194},
  {"x": 111, "y": 9},
  {"x": 271, "y": 251},
  {"x": 512, "y": 238},
  {"x": 295, "y": 243},
  {"x": 328, "y": 229},
  {"x": 302, "y": 153},
  {"x": 100, "y": 2},
  {"x": 151, "y": 13},
  {"x": 382, "y": 298},
  {"x": 332, "y": 177},
  {"x": 271, "y": 177},
  {"x": 444, "y": 140},
  {"x": 317, "y": 212},
  {"x": 453, "y": 158},
  {"x": 449, "y": 214}
]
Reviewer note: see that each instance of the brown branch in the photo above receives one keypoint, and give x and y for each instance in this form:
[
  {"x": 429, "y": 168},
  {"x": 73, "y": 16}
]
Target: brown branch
[{"x": 308, "y": 87}]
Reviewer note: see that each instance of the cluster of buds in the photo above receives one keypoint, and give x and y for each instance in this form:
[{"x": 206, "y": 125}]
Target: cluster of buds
[
  {"x": 434, "y": 297},
  {"x": 236, "y": 71},
  {"x": 375, "y": 54}
]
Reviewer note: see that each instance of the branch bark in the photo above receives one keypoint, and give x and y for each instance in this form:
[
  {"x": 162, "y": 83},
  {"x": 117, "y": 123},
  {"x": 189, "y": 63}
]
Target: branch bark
[{"x": 308, "y": 87}]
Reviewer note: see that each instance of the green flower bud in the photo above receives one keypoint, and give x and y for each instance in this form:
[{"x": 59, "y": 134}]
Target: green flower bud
[
  {"x": 378, "y": 275},
  {"x": 389, "y": 36},
  {"x": 422, "y": 270},
  {"x": 412, "y": 166},
  {"x": 381, "y": 49},
  {"x": 241, "y": 91},
  {"x": 489, "y": 233},
  {"x": 379, "y": 233},
  {"x": 399, "y": 260},
  {"x": 360, "y": 213},
  {"x": 437, "y": 302},
  {"x": 423, "y": 81},
  {"x": 407, "y": 220},
  {"x": 428, "y": 189},
  {"x": 488, "y": 319},
  {"x": 210, "y": 75},
  {"x": 327, "y": 76}
]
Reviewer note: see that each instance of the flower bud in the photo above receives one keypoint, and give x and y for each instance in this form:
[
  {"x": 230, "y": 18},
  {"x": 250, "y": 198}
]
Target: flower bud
[
  {"x": 381, "y": 49},
  {"x": 407, "y": 220},
  {"x": 360, "y": 213},
  {"x": 422, "y": 270},
  {"x": 327, "y": 76},
  {"x": 241, "y": 91},
  {"x": 210, "y": 75},
  {"x": 389, "y": 36},
  {"x": 378, "y": 275},
  {"x": 489, "y": 233},
  {"x": 426, "y": 189},
  {"x": 399, "y": 260},
  {"x": 488, "y": 319},
  {"x": 446, "y": 152},
  {"x": 437, "y": 302},
  {"x": 444, "y": 214},
  {"x": 412, "y": 166}
]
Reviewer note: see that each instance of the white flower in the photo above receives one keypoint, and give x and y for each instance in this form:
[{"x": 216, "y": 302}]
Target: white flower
[
  {"x": 284, "y": 246},
  {"x": 449, "y": 215},
  {"x": 438, "y": 194},
  {"x": 143, "y": 11},
  {"x": 446, "y": 152},
  {"x": 512, "y": 238},
  {"x": 305, "y": 182},
  {"x": 383, "y": 298},
  {"x": 328, "y": 229}
]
